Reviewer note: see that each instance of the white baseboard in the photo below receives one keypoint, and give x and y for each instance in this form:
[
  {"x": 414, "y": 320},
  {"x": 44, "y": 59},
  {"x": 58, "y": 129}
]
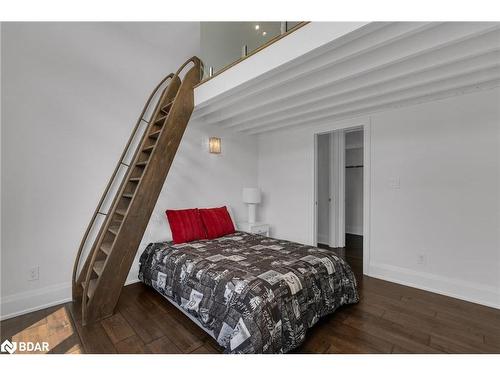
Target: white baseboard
[
  {"x": 322, "y": 238},
  {"x": 33, "y": 300},
  {"x": 468, "y": 291},
  {"x": 38, "y": 299},
  {"x": 358, "y": 230},
  {"x": 26, "y": 302}
]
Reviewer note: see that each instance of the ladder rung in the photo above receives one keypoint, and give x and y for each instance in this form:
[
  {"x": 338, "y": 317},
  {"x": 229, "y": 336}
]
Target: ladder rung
[
  {"x": 114, "y": 229},
  {"x": 98, "y": 266},
  {"x": 160, "y": 119},
  {"x": 121, "y": 212},
  {"x": 106, "y": 248},
  {"x": 91, "y": 289},
  {"x": 166, "y": 107},
  {"x": 142, "y": 163},
  {"x": 135, "y": 179},
  {"x": 127, "y": 195},
  {"x": 149, "y": 148},
  {"x": 154, "y": 134}
]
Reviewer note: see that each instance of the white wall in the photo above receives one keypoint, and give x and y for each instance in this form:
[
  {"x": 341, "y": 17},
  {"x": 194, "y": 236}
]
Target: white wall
[
  {"x": 200, "y": 179},
  {"x": 71, "y": 93},
  {"x": 445, "y": 155}
]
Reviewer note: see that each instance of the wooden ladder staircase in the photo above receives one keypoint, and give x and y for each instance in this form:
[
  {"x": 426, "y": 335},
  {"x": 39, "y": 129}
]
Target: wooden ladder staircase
[{"x": 98, "y": 283}]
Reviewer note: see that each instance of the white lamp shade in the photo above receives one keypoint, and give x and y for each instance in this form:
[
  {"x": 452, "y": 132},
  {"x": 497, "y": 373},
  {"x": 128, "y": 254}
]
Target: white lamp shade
[{"x": 251, "y": 195}]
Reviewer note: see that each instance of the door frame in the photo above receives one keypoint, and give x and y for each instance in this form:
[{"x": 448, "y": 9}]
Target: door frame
[{"x": 367, "y": 191}]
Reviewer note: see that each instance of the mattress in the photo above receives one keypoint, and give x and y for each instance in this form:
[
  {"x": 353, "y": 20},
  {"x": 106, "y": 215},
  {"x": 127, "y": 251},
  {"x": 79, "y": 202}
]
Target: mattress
[{"x": 252, "y": 293}]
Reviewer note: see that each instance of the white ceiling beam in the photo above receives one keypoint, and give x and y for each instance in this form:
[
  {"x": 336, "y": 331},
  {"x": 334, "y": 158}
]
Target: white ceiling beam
[
  {"x": 480, "y": 86},
  {"x": 449, "y": 71},
  {"x": 372, "y": 36},
  {"x": 359, "y": 107},
  {"x": 282, "y": 52},
  {"x": 455, "y": 54},
  {"x": 404, "y": 49}
]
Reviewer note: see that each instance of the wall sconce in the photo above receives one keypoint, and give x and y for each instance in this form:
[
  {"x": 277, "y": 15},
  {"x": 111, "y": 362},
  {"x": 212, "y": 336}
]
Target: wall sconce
[{"x": 214, "y": 144}]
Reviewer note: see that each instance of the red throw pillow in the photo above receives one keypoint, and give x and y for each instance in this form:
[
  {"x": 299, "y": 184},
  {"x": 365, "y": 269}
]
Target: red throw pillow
[
  {"x": 186, "y": 225},
  {"x": 217, "y": 221}
]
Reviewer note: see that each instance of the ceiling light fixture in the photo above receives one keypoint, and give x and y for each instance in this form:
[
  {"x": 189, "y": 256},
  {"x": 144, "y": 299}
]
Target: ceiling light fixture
[
  {"x": 264, "y": 33},
  {"x": 257, "y": 27}
]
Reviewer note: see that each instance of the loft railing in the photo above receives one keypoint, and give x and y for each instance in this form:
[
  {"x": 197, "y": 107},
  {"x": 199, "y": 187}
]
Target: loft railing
[{"x": 225, "y": 44}]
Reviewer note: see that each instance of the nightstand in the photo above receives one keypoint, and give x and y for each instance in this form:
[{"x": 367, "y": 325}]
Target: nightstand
[{"x": 256, "y": 228}]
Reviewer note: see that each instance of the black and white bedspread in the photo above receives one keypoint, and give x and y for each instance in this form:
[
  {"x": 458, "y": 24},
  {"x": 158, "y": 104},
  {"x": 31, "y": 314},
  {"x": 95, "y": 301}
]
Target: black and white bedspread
[{"x": 255, "y": 294}]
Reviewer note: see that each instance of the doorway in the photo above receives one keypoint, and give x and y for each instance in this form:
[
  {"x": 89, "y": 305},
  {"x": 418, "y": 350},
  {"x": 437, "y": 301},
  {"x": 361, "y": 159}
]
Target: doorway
[
  {"x": 354, "y": 198},
  {"x": 340, "y": 193}
]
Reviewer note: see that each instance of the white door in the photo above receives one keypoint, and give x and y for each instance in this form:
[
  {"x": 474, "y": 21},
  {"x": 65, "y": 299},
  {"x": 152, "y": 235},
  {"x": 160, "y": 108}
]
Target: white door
[
  {"x": 330, "y": 189},
  {"x": 337, "y": 189},
  {"x": 323, "y": 168}
]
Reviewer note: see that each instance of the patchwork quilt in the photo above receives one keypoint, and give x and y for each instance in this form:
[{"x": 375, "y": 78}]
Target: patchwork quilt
[{"x": 255, "y": 294}]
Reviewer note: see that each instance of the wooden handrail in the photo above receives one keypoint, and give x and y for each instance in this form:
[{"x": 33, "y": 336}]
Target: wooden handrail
[
  {"x": 195, "y": 60},
  {"x": 108, "y": 186}
]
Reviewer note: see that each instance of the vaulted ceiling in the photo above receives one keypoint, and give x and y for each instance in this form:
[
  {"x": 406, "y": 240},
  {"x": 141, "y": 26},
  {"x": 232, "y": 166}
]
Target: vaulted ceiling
[{"x": 386, "y": 65}]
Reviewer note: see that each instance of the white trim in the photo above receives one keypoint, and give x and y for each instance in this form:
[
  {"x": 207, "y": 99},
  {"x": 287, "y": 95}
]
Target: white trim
[
  {"x": 341, "y": 195},
  {"x": 323, "y": 238},
  {"x": 332, "y": 196},
  {"x": 314, "y": 233},
  {"x": 455, "y": 288},
  {"x": 367, "y": 194},
  {"x": 38, "y": 299},
  {"x": 33, "y": 300}
]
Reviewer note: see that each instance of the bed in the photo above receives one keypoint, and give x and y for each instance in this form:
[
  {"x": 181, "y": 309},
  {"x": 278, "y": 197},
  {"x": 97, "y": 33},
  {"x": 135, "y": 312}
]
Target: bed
[{"x": 251, "y": 293}]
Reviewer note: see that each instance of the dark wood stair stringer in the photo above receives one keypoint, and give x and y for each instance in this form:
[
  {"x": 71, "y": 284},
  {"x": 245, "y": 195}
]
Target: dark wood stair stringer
[{"x": 106, "y": 268}]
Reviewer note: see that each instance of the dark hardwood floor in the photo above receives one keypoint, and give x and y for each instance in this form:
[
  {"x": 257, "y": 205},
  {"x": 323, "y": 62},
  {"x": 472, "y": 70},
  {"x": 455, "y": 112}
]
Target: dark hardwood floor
[{"x": 389, "y": 318}]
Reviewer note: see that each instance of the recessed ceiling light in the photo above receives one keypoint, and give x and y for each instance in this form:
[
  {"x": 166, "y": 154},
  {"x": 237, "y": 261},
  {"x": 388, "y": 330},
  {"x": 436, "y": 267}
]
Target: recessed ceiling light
[
  {"x": 264, "y": 33},
  {"x": 257, "y": 27}
]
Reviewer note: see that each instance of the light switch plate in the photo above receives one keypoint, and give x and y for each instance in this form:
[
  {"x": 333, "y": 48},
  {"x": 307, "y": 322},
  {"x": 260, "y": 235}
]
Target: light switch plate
[
  {"x": 394, "y": 183},
  {"x": 421, "y": 259},
  {"x": 34, "y": 273}
]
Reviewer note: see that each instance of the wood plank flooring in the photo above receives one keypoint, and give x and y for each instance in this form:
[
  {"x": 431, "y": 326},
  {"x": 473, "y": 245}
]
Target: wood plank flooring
[{"x": 389, "y": 318}]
